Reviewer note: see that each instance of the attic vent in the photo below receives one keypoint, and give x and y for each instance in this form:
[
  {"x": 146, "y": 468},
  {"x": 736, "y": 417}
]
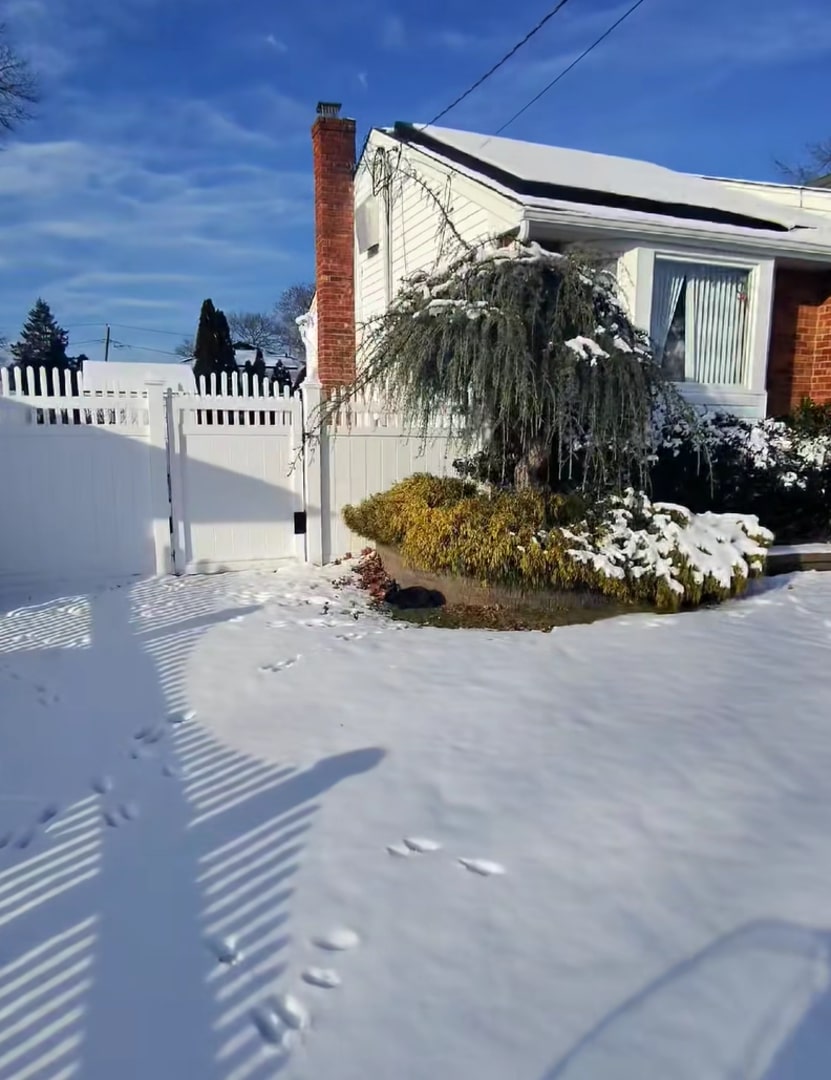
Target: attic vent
[
  {"x": 329, "y": 109},
  {"x": 367, "y": 225}
]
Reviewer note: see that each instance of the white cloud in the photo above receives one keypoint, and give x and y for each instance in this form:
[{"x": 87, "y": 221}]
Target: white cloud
[
  {"x": 155, "y": 221},
  {"x": 275, "y": 43},
  {"x": 393, "y": 32},
  {"x": 363, "y": 79}
]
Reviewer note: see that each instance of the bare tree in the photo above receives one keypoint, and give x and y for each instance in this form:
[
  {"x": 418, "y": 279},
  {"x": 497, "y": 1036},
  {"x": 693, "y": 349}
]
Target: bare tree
[
  {"x": 815, "y": 170},
  {"x": 255, "y": 329},
  {"x": 185, "y": 348},
  {"x": 18, "y": 87},
  {"x": 295, "y": 300}
]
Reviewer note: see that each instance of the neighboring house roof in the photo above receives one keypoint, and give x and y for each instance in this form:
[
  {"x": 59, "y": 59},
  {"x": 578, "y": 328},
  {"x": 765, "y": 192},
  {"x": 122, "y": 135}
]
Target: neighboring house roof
[
  {"x": 574, "y": 186},
  {"x": 99, "y": 375}
]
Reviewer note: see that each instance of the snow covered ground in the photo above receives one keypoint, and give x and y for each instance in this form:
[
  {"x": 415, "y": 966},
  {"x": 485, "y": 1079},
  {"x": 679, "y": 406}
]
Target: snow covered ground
[{"x": 252, "y": 829}]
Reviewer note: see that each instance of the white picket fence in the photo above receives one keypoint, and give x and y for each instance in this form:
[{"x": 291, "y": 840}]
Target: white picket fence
[{"x": 138, "y": 481}]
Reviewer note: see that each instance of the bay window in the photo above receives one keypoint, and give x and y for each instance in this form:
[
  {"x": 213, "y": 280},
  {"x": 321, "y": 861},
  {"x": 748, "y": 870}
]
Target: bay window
[{"x": 700, "y": 321}]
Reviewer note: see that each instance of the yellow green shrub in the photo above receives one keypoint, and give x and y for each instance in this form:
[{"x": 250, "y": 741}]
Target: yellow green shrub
[{"x": 625, "y": 548}]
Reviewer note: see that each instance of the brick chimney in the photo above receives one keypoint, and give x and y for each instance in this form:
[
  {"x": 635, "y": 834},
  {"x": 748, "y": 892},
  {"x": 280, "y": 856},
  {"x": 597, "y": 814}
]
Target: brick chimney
[{"x": 333, "y": 151}]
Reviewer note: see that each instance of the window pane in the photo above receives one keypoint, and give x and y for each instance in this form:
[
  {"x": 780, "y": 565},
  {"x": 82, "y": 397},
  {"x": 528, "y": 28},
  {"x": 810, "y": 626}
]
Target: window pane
[{"x": 700, "y": 321}]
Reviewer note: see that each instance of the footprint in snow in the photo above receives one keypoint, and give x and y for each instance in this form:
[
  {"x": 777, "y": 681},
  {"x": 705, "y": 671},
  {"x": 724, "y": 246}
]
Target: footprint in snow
[
  {"x": 325, "y": 978},
  {"x": 340, "y": 939},
  {"x": 181, "y": 717},
  {"x": 350, "y": 637},
  {"x": 102, "y": 785},
  {"x": 225, "y": 949},
  {"x": 129, "y": 811},
  {"x": 174, "y": 771},
  {"x": 483, "y": 867},
  {"x": 25, "y": 840},
  {"x": 291, "y": 1011},
  {"x": 281, "y": 665},
  {"x": 49, "y": 813},
  {"x": 112, "y": 819},
  {"x": 421, "y": 845}
]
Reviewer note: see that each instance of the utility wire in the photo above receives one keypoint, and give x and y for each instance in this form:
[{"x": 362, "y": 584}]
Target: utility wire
[
  {"x": 148, "y": 330},
  {"x": 125, "y": 326},
  {"x": 535, "y": 30},
  {"x": 567, "y": 69},
  {"x": 144, "y": 348}
]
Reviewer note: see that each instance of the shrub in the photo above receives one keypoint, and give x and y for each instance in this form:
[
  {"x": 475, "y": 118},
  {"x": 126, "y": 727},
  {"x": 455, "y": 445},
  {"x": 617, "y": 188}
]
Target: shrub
[
  {"x": 626, "y": 548},
  {"x": 779, "y": 470}
]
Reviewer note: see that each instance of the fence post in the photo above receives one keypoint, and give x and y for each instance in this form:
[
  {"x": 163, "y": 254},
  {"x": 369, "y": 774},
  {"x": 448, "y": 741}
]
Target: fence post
[
  {"x": 159, "y": 490},
  {"x": 313, "y": 463}
]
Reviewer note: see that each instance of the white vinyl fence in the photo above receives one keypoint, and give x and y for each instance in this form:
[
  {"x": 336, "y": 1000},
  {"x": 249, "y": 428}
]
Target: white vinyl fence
[
  {"x": 366, "y": 450},
  {"x": 119, "y": 482}
]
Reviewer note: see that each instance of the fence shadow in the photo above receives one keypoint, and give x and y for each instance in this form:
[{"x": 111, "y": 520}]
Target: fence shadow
[
  {"x": 756, "y": 1004},
  {"x": 147, "y": 870}
]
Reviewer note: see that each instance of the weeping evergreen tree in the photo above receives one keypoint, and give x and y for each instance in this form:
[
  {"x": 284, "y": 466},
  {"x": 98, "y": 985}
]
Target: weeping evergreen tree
[{"x": 534, "y": 350}]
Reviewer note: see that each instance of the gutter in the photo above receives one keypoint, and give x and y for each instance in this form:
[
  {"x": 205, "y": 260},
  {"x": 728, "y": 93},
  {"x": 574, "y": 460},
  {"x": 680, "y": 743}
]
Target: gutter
[{"x": 540, "y": 224}]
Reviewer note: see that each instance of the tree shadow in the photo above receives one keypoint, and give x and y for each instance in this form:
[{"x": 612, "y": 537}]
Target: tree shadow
[{"x": 754, "y": 1004}]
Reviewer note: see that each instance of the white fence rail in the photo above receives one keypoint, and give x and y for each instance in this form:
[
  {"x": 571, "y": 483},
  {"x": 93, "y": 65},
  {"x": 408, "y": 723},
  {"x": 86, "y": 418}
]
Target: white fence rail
[{"x": 142, "y": 480}]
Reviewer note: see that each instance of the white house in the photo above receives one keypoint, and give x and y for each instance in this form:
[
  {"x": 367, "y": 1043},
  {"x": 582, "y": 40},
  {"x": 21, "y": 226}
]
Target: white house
[{"x": 731, "y": 279}]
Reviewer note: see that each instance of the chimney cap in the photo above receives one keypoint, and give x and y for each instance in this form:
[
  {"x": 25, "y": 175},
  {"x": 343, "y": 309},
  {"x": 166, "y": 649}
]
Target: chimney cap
[{"x": 330, "y": 109}]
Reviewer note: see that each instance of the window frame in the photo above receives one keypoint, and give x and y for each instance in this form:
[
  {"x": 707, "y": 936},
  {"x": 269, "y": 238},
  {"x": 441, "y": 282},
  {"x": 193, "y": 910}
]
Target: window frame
[{"x": 748, "y": 398}]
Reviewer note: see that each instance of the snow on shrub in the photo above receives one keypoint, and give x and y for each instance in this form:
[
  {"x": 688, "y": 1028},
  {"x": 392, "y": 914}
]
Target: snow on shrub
[
  {"x": 779, "y": 470},
  {"x": 626, "y": 548},
  {"x": 666, "y": 554}
]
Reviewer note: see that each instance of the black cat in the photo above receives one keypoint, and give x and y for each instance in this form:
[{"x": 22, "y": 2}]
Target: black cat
[{"x": 413, "y": 597}]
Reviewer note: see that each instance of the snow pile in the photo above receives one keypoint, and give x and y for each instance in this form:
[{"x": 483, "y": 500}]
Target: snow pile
[
  {"x": 666, "y": 551},
  {"x": 471, "y": 308},
  {"x": 587, "y": 349}
]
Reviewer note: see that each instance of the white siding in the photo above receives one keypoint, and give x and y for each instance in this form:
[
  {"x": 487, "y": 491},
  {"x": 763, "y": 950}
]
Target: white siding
[{"x": 415, "y": 232}]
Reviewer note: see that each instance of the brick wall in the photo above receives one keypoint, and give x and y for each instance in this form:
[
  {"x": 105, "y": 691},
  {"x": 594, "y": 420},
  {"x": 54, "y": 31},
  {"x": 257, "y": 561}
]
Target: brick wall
[
  {"x": 333, "y": 152},
  {"x": 799, "y": 361}
]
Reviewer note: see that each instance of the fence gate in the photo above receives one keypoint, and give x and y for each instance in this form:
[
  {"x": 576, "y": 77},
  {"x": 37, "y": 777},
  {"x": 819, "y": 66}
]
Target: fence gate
[{"x": 236, "y": 501}]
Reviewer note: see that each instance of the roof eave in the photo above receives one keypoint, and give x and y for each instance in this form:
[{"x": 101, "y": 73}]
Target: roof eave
[{"x": 541, "y": 224}]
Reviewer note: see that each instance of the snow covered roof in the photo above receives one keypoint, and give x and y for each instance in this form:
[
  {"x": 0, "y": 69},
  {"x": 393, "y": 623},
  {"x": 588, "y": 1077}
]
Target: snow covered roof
[
  {"x": 533, "y": 172},
  {"x": 134, "y": 375}
]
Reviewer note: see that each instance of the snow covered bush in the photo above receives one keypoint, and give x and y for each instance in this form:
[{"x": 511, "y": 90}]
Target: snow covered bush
[
  {"x": 624, "y": 547},
  {"x": 779, "y": 470}
]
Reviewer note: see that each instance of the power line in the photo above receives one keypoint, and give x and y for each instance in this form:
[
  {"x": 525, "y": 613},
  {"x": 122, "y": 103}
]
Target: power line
[
  {"x": 535, "y": 30},
  {"x": 144, "y": 348},
  {"x": 567, "y": 69},
  {"x": 148, "y": 330},
  {"x": 125, "y": 326}
]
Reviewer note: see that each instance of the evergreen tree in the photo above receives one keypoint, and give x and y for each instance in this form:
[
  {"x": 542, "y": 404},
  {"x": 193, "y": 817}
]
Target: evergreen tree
[
  {"x": 213, "y": 351},
  {"x": 42, "y": 341}
]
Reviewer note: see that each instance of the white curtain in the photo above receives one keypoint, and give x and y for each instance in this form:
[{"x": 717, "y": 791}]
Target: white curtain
[
  {"x": 668, "y": 280},
  {"x": 716, "y": 325}
]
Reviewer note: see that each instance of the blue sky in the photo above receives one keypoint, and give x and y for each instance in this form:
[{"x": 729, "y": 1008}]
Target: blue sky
[{"x": 170, "y": 157}]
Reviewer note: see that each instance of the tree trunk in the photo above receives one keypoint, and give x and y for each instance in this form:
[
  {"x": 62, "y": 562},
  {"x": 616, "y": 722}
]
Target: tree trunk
[{"x": 532, "y": 468}]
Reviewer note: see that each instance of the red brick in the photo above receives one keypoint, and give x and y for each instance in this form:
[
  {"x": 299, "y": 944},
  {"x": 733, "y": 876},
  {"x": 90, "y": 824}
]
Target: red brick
[
  {"x": 800, "y": 342},
  {"x": 333, "y": 152}
]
